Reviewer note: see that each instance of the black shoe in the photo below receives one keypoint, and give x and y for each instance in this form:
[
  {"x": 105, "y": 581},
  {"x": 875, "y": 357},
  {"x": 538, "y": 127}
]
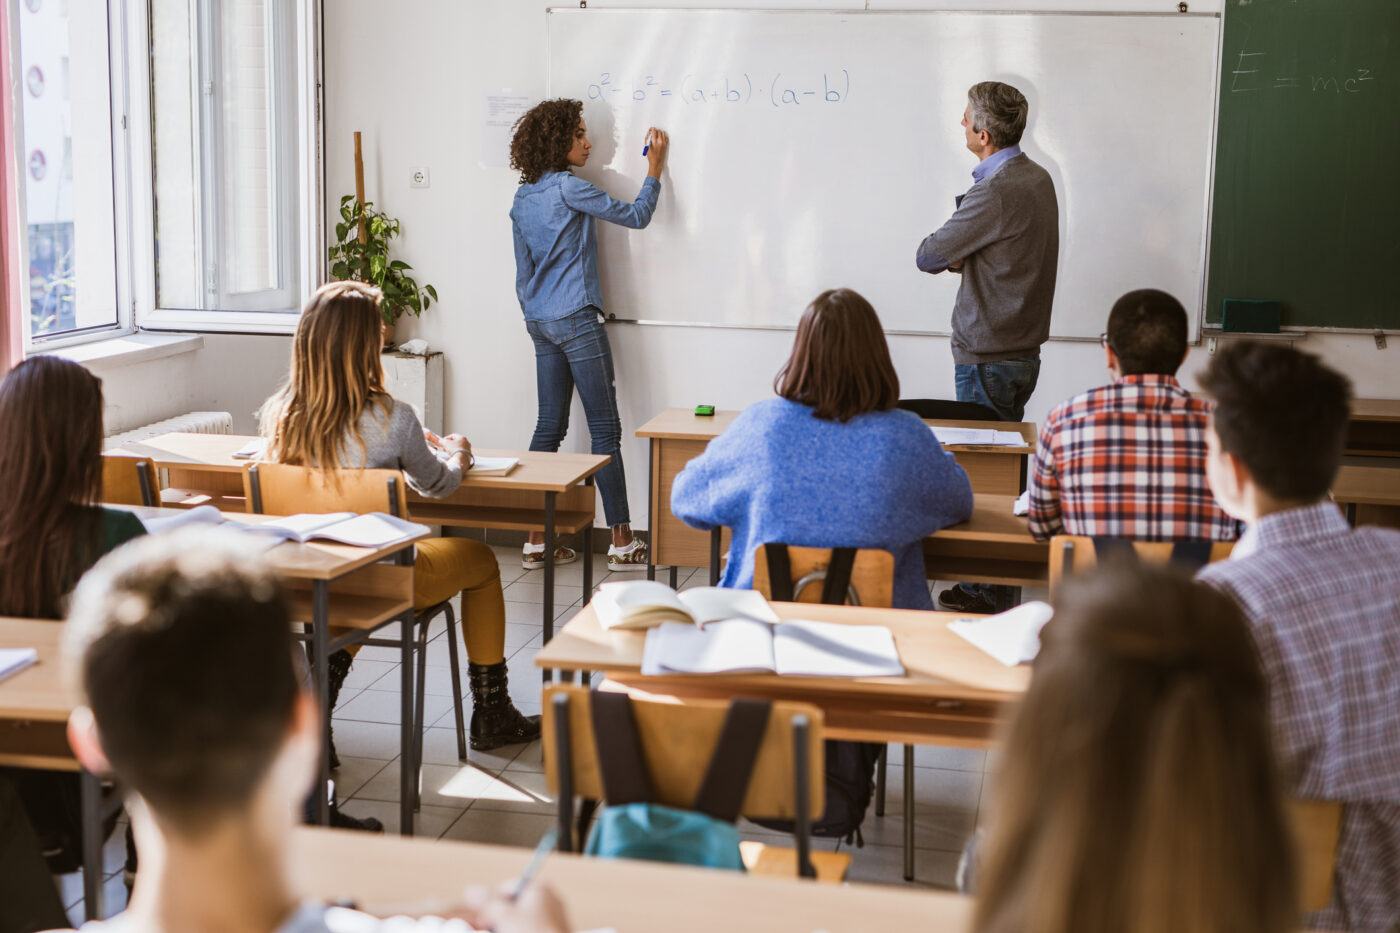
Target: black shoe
[
  {"x": 960, "y": 599},
  {"x": 337, "y": 668},
  {"x": 495, "y": 720},
  {"x": 342, "y": 821}
]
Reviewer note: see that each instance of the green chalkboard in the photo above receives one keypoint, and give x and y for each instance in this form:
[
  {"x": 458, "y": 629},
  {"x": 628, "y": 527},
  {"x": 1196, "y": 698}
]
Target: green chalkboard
[{"x": 1307, "y": 168}]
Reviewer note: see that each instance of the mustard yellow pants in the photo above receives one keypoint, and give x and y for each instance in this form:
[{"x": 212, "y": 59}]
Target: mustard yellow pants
[{"x": 445, "y": 566}]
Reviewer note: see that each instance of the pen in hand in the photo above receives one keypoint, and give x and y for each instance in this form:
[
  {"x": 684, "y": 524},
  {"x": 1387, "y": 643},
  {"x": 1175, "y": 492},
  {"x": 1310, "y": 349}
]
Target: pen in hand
[
  {"x": 546, "y": 845},
  {"x": 647, "y": 146}
]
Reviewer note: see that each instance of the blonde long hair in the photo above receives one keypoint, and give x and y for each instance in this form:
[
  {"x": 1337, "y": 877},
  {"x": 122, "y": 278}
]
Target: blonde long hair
[
  {"x": 336, "y": 374},
  {"x": 1138, "y": 792}
]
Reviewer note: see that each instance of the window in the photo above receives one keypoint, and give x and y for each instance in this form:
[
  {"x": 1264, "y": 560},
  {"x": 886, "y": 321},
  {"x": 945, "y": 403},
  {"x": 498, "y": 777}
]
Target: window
[
  {"x": 63, "y": 142},
  {"x": 175, "y": 190}
]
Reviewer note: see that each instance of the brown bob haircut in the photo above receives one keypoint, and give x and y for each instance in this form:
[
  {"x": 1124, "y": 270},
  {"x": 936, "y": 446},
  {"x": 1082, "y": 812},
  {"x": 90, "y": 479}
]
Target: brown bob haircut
[{"x": 840, "y": 364}]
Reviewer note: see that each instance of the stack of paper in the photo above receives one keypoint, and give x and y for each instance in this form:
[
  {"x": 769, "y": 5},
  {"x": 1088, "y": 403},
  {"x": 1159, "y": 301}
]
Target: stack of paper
[
  {"x": 1012, "y": 637},
  {"x": 493, "y": 466}
]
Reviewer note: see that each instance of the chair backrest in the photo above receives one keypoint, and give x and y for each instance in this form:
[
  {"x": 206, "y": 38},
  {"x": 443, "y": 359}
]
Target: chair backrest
[
  {"x": 948, "y": 410},
  {"x": 1071, "y": 554},
  {"x": 872, "y": 574},
  {"x": 282, "y": 489},
  {"x": 677, "y": 740},
  {"x": 1317, "y": 827},
  {"x": 129, "y": 480}
]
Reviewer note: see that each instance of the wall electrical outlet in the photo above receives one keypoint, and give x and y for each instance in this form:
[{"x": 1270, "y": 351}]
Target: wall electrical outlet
[{"x": 418, "y": 176}]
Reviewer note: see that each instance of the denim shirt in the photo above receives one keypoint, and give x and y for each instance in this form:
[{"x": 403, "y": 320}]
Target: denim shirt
[{"x": 556, "y": 250}]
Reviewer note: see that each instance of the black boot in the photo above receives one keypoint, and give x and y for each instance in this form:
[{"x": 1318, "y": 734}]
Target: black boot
[
  {"x": 495, "y": 721},
  {"x": 337, "y": 667}
]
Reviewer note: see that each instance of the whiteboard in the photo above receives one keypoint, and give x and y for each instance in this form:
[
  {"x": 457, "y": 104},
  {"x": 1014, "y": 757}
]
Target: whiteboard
[{"x": 811, "y": 150}]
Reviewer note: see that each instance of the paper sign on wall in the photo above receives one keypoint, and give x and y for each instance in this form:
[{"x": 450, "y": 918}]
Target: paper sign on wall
[{"x": 499, "y": 113}]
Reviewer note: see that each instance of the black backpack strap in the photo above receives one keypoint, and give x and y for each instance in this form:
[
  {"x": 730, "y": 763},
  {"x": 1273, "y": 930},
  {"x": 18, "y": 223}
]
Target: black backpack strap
[
  {"x": 726, "y": 780},
  {"x": 1114, "y": 547},
  {"x": 620, "y": 758},
  {"x": 838, "y": 576},
  {"x": 1193, "y": 555},
  {"x": 779, "y": 572}
]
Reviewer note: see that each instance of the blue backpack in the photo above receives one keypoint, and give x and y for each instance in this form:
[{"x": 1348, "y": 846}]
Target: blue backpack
[{"x": 631, "y": 826}]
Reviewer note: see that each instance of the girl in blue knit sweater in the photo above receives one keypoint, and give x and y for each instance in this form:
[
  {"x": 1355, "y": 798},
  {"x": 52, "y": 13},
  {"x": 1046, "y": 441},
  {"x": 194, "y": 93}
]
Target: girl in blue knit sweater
[{"x": 831, "y": 462}]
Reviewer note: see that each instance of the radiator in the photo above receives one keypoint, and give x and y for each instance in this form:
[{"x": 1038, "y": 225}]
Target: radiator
[{"x": 191, "y": 422}]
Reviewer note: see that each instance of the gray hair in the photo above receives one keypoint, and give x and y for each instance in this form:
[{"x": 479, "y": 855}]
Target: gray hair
[{"x": 1000, "y": 110}]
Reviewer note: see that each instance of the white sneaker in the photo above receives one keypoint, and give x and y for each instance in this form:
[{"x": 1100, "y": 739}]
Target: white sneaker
[{"x": 631, "y": 557}]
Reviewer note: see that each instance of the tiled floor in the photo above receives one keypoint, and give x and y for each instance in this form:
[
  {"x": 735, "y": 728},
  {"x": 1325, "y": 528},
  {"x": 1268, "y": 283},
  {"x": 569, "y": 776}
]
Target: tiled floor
[{"x": 500, "y": 796}]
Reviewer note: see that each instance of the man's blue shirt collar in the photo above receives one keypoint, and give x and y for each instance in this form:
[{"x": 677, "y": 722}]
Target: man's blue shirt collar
[{"x": 988, "y": 166}]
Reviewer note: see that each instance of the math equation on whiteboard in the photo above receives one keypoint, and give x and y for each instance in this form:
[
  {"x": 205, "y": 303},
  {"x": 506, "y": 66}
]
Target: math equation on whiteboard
[{"x": 776, "y": 89}]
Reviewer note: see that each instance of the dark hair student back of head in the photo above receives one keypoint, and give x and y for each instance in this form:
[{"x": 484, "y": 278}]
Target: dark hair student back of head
[
  {"x": 182, "y": 646},
  {"x": 1147, "y": 332},
  {"x": 840, "y": 363},
  {"x": 1282, "y": 413},
  {"x": 542, "y": 138}
]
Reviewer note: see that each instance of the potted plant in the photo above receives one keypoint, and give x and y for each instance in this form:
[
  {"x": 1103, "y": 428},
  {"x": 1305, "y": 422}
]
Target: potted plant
[{"x": 361, "y": 253}]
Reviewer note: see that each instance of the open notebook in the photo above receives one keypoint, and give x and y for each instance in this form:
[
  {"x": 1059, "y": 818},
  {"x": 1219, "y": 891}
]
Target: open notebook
[
  {"x": 795, "y": 648},
  {"x": 985, "y": 437},
  {"x": 374, "y": 529},
  {"x": 636, "y": 604}
]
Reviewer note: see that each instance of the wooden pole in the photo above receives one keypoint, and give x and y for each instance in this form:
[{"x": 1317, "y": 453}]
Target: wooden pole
[{"x": 360, "y": 186}]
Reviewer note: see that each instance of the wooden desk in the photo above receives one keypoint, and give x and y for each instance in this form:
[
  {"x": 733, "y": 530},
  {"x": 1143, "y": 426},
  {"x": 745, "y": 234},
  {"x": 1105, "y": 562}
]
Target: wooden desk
[
  {"x": 678, "y": 435},
  {"x": 1368, "y": 488},
  {"x": 34, "y": 708},
  {"x": 629, "y": 896},
  {"x": 1374, "y": 429},
  {"x": 952, "y": 693},
  {"x": 336, "y": 585},
  {"x": 994, "y": 546},
  {"x": 548, "y": 492}
]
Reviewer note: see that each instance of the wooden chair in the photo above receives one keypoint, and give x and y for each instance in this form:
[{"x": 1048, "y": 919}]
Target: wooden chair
[
  {"x": 1317, "y": 828},
  {"x": 677, "y": 740},
  {"x": 1071, "y": 554},
  {"x": 872, "y": 584},
  {"x": 282, "y": 489},
  {"x": 129, "y": 480},
  {"x": 872, "y": 575}
]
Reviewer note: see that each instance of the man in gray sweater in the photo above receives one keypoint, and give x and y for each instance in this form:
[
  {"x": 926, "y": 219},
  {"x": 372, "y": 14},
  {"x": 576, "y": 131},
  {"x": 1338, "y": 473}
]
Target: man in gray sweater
[{"x": 1004, "y": 238}]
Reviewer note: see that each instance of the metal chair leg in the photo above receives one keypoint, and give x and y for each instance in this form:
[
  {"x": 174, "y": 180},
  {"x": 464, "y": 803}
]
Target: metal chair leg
[
  {"x": 418, "y": 712},
  {"x": 908, "y": 813},
  {"x": 880, "y": 764},
  {"x": 456, "y": 666}
]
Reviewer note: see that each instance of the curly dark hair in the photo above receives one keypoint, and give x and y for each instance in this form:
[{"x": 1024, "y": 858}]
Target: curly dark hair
[{"x": 543, "y": 138}]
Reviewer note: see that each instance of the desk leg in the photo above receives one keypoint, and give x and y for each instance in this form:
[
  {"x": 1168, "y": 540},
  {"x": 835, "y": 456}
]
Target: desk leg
[
  {"x": 671, "y": 573},
  {"x": 320, "y": 635},
  {"x": 588, "y": 556},
  {"x": 408, "y": 746},
  {"x": 715, "y": 537},
  {"x": 908, "y": 813},
  {"x": 651, "y": 512},
  {"x": 548, "y": 600},
  {"x": 90, "y": 798}
]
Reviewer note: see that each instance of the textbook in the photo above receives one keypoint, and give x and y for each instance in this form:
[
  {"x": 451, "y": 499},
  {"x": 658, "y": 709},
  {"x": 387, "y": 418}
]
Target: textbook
[
  {"x": 795, "y": 648},
  {"x": 1012, "y": 637},
  {"x": 14, "y": 660},
  {"x": 637, "y": 604},
  {"x": 980, "y": 437},
  {"x": 493, "y": 466}
]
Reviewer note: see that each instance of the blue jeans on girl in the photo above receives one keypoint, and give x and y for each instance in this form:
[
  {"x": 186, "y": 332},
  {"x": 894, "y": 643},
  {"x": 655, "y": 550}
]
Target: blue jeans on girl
[{"x": 574, "y": 351}]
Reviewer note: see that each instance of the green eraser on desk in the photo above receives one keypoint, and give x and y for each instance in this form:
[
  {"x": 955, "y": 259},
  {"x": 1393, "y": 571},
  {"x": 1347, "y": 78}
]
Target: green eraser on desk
[
  {"x": 1250, "y": 316},
  {"x": 704, "y": 409}
]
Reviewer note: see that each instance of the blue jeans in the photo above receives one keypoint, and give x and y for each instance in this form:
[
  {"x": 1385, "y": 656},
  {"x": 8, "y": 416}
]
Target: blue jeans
[
  {"x": 1004, "y": 386},
  {"x": 574, "y": 350}
]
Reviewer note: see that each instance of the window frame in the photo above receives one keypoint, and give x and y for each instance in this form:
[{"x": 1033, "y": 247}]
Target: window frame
[
  {"x": 124, "y": 324},
  {"x": 306, "y": 131}
]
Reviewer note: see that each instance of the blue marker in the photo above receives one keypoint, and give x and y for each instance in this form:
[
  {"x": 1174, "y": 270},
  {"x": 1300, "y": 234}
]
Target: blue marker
[{"x": 647, "y": 148}]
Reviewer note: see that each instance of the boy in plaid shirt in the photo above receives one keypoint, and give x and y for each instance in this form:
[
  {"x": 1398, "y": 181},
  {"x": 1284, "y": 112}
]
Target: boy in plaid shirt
[
  {"x": 1127, "y": 460},
  {"x": 1323, "y": 603}
]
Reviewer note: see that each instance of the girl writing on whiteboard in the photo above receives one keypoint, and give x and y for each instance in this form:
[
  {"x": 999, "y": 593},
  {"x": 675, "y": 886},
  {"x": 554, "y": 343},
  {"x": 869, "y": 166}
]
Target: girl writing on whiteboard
[{"x": 556, "y": 280}]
